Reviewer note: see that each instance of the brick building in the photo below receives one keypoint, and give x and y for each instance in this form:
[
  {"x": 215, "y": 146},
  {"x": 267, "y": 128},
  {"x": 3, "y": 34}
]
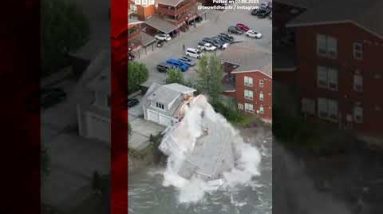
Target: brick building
[
  {"x": 248, "y": 78},
  {"x": 338, "y": 63}
]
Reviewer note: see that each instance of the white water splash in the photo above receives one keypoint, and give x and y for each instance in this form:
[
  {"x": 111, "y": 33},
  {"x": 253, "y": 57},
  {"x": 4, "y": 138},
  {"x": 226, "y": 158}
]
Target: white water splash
[{"x": 207, "y": 135}]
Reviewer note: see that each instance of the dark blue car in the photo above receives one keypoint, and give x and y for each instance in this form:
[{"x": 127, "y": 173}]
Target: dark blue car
[{"x": 178, "y": 63}]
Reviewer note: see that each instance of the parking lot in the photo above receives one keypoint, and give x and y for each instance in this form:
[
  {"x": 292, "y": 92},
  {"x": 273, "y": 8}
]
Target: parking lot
[{"x": 217, "y": 22}]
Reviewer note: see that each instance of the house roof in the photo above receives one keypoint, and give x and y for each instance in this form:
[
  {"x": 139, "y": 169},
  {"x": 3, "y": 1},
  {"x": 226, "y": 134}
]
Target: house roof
[
  {"x": 160, "y": 24},
  {"x": 170, "y": 2},
  {"x": 248, "y": 56},
  {"x": 367, "y": 15},
  {"x": 166, "y": 94},
  {"x": 147, "y": 39}
]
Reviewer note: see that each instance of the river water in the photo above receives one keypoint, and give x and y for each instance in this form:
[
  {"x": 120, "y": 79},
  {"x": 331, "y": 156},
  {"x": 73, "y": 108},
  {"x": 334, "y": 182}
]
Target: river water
[{"x": 147, "y": 195}]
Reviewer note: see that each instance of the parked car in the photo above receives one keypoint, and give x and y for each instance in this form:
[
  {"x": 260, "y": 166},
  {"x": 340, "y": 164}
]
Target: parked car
[
  {"x": 226, "y": 36},
  {"x": 213, "y": 41},
  {"x": 178, "y": 63},
  {"x": 224, "y": 39},
  {"x": 163, "y": 37},
  {"x": 164, "y": 67},
  {"x": 234, "y": 30},
  {"x": 187, "y": 60},
  {"x": 263, "y": 12},
  {"x": 254, "y": 12},
  {"x": 253, "y": 34},
  {"x": 160, "y": 43},
  {"x": 242, "y": 27},
  {"x": 51, "y": 96},
  {"x": 208, "y": 40},
  {"x": 132, "y": 102},
  {"x": 192, "y": 52},
  {"x": 198, "y": 19},
  {"x": 209, "y": 47}
]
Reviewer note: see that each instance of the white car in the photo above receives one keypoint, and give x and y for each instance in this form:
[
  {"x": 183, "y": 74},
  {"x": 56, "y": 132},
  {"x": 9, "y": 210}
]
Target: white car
[
  {"x": 224, "y": 46},
  {"x": 209, "y": 47},
  {"x": 253, "y": 34},
  {"x": 163, "y": 37},
  {"x": 193, "y": 53}
]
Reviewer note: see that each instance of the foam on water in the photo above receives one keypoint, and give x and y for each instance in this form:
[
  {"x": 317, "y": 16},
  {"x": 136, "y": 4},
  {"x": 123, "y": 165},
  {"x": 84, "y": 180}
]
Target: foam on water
[{"x": 247, "y": 158}]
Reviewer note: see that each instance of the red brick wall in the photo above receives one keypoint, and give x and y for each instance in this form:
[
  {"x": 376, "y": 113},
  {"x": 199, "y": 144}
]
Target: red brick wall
[
  {"x": 145, "y": 12},
  {"x": 266, "y": 89},
  {"x": 371, "y": 65}
]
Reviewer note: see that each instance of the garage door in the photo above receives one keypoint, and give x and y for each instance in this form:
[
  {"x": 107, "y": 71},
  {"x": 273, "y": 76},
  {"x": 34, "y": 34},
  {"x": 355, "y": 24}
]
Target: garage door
[
  {"x": 164, "y": 120},
  {"x": 98, "y": 128},
  {"x": 153, "y": 116}
]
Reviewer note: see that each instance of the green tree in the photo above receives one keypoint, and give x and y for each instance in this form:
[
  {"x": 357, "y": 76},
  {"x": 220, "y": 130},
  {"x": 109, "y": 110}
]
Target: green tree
[
  {"x": 64, "y": 29},
  {"x": 174, "y": 75},
  {"x": 210, "y": 74},
  {"x": 137, "y": 74}
]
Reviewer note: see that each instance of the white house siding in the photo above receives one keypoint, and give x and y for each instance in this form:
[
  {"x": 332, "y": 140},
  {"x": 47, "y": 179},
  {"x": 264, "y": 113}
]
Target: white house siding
[{"x": 98, "y": 127}]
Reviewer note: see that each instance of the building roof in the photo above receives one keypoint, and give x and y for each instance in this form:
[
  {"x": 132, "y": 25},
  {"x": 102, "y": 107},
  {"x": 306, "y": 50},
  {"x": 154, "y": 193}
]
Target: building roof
[
  {"x": 170, "y": 2},
  {"x": 367, "y": 15},
  {"x": 160, "y": 24},
  {"x": 147, "y": 39},
  {"x": 166, "y": 94},
  {"x": 248, "y": 56}
]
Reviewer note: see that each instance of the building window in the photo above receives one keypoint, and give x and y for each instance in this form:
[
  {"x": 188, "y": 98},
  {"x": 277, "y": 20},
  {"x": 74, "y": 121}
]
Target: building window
[
  {"x": 308, "y": 106},
  {"x": 358, "y": 114},
  {"x": 248, "y": 94},
  {"x": 261, "y": 110},
  {"x": 327, "y": 77},
  {"x": 333, "y": 110},
  {"x": 357, "y": 48},
  {"x": 322, "y": 108},
  {"x": 160, "y": 106},
  {"x": 240, "y": 106},
  {"x": 327, "y": 46},
  {"x": 322, "y": 77},
  {"x": 261, "y": 83},
  {"x": 248, "y": 81},
  {"x": 249, "y": 107},
  {"x": 328, "y": 109},
  {"x": 358, "y": 82},
  {"x": 261, "y": 96},
  {"x": 332, "y": 79}
]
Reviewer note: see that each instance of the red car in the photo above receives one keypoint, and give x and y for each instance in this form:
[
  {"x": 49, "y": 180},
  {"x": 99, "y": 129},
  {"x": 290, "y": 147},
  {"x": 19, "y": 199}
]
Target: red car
[{"x": 242, "y": 27}]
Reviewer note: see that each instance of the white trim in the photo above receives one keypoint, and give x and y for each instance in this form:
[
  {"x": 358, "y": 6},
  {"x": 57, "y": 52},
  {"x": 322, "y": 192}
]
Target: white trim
[
  {"x": 251, "y": 71},
  {"x": 230, "y": 90}
]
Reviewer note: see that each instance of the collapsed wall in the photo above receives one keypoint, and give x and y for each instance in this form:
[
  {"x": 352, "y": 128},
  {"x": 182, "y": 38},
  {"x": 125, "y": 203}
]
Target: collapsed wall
[{"x": 201, "y": 144}]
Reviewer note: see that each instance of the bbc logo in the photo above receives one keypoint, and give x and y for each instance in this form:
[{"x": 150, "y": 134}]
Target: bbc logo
[{"x": 144, "y": 2}]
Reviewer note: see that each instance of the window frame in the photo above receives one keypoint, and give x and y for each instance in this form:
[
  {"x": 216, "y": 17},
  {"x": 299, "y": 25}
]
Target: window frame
[
  {"x": 355, "y": 51},
  {"x": 246, "y": 93}
]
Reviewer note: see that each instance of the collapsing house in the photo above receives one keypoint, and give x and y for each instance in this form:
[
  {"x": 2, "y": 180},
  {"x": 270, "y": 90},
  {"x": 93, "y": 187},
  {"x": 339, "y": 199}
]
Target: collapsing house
[{"x": 201, "y": 144}]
